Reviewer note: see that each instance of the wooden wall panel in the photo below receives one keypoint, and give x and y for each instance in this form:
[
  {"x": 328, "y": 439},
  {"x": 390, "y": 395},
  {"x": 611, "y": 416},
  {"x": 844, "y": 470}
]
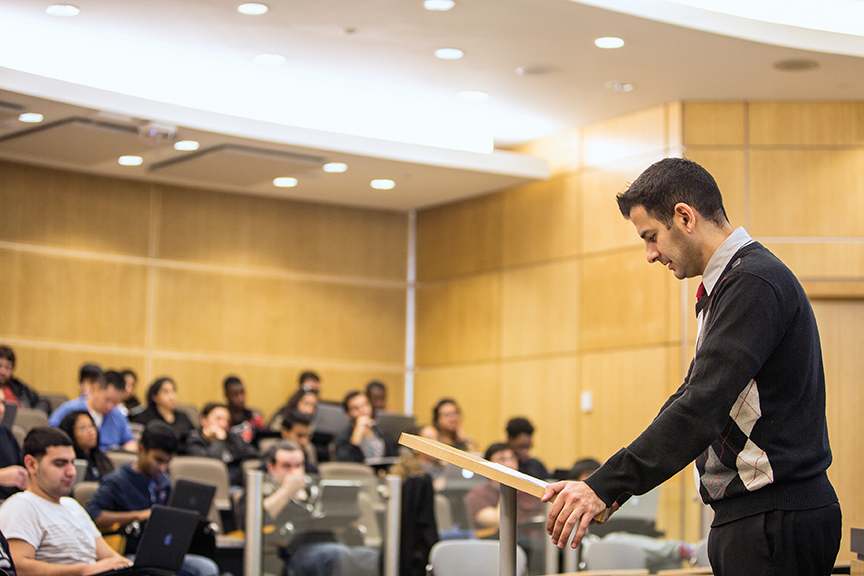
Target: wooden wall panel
[
  {"x": 72, "y": 300},
  {"x": 641, "y": 132},
  {"x": 625, "y": 301},
  {"x": 460, "y": 238},
  {"x": 475, "y": 387},
  {"x": 237, "y": 230},
  {"x": 729, "y": 169},
  {"x": 62, "y": 209},
  {"x": 540, "y": 310},
  {"x": 821, "y": 260},
  {"x": 222, "y": 313},
  {"x": 562, "y": 151},
  {"x": 714, "y": 124},
  {"x": 541, "y": 221},
  {"x": 807, "y": 192},
  {"x": 806, "y": 123},
  {"x": 547, "y": 393}
]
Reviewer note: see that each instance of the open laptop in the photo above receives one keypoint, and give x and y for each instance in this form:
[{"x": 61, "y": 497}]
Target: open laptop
[
  {"x": 338, "y": 499},
  {"x": 393, "y": 425},
  {"x": 191, "y": 495},
  {"x": 164, "y": 542}
]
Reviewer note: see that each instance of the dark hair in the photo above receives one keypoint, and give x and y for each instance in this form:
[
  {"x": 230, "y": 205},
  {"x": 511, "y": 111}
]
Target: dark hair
[
  {"x": 229, "y": 381},
  {"x": 129, "y": 372},
  {"x": 294, "y": 400},
  {"x": 580, "y": 467},
  {"x": 39, "y": 439},
  {"x": 294, "y": 417},
  {"x": 159, "y": 436},
  {"x": 114, "y": 380},
  {"x": 92, "y": 373},
  {"x": 154, "y": 388},
  {"x": 438, "y": 407},
  {"x": 375, "y": 384},
  {"x": 670, "y": 181},
  {"x": 7, "y": 354},
  {"x": 287, "y": 445},
  {"x": 495, "y": 448},
  {"x": 102, "y": 463},
  {"x": 307, "y": 375},
  {"x": 348, "y": 397},
  {"x": 517, "y": 426},
  {"x": 210, "y": 406}
]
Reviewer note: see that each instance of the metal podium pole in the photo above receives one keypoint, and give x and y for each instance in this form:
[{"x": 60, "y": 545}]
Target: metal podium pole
[{"x": 507, "y": 532}]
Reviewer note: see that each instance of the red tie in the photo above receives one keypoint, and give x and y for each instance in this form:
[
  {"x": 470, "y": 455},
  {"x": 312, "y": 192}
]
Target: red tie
[{"x": 700, "y": 292}]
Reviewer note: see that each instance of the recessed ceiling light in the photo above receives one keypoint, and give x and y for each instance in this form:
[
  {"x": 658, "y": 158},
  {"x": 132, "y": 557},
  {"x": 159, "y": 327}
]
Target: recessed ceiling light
[
  {"x": 609, "y": 42},
  {"x": 473, "y": 96},
  {"x": 796, "y": 64},
  {"x": 186, "y": 145},
  {"x": 252, "y": 9},
  {"x": 449, "y": 53},
  {"x": 618, "y": 86},
  {"x": 62, "y": 10},
  {"x": 438, "y": 5},
  {"x": 533, "y": 70},
  {"x": 285, "y": 182},
  {"x": 130, "y": 160},
  {"x": 270, "y": 60},
  {"x": 30, "y": 117},
  {"x": 335, "y": 167},
  {"x": 382, "y": 184}
]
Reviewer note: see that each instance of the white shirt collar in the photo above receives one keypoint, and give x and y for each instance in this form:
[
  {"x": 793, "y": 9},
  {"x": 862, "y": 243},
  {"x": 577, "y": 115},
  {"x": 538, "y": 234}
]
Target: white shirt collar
[{"x": 721, "y": 257}]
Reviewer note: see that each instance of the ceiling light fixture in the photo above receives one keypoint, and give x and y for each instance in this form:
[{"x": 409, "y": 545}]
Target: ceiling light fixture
[
  {"x": 438, "y": 5},
  {"x": 62, "y": 10},
  {"x": 449, "y": 53},
  {"x": 609, "y": 42},
  {"x": 30, "y": 117},
  {"x": 472, "y": 96},
  {"x": 252, "y": 9},
  {"x": 186, "y": 145},
  {"x": 618, "y": 86},
  {"x": 335, "y": 167},
  {"x": 269, "y": 60},
  {"x": 130, "y": 160},
  {"x": 382, "y": 184},
  {"x": 796, "y": 64},
  {"x": 285, "y": 182},
  {"x": 534, "y": 70}
]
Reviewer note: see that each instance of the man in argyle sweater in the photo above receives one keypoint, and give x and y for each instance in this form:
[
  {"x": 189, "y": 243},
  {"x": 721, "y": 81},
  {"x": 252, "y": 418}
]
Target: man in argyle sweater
[{"x": 751, "y": 410}]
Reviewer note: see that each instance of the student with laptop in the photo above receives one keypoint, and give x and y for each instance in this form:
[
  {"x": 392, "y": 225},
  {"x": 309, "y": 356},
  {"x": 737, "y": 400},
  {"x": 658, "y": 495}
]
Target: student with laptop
[
  {"x": 48, "y": 532},
  {"x": 127, "y": 495}
]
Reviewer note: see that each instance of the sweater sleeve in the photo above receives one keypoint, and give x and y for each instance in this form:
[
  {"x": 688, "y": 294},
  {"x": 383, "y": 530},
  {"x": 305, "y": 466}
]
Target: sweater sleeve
[{"x": 743, "y": 326}]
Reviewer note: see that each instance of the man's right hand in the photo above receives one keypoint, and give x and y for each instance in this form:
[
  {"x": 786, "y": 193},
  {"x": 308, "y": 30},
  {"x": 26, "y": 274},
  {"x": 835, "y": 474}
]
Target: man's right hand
[
  {"x": 14, "y": 476},
  {"x": 111, "y": 563}
]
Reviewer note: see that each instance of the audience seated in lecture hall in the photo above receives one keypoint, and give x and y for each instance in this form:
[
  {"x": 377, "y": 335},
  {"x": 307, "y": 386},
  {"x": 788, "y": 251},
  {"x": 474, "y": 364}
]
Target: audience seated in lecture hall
[
  {"x": 17, "y": 391},
  {"x": 214, "y": 440},
  {"x": 245, "y": 422},
  {"x": 130, "y": 401},
  {"x": 79, "y": 426},
  {"x": 126, "y": 496},
  {"x": 361, "y": 439},
  {"x": 377, "y": 394},
  {"x": 13, "y": 475},
  {"x": 162, "y": 407},
  {"x": 447, "y": 419},
  {"x": 44, "y": 526},
  {"x": 305, "y": 401},
  {"x": 102, "y": 403},
  {"x": 296, "y": 427},
  {"x": 519, "y": 437}
]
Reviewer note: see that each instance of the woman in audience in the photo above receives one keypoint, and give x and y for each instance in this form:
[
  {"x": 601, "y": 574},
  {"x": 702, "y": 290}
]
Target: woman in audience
[
  {"x": 303, "y": 401},
  {"x": 80, "y": 427},
  {"x": 162, "y": 405},
  {"x": 447, "y": 419}
]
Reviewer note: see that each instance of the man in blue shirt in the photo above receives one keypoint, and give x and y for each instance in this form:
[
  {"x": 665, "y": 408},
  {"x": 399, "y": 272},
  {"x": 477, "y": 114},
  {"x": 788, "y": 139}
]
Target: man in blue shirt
[
  {"x": 102, "y": 404},
  {"x": 126, "y": 496}
]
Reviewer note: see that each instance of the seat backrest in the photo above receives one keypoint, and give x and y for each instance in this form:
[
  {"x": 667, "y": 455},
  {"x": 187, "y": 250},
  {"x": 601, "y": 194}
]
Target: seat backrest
[
  {"x": 20, "y": 433},
  {"x": 251, "y": 464},
  {"x": 612, "y": 556},
  {"x": 55, "y": 399},
  {"x": 191, "y": 411},
  {"x": 119, "y": 458},
  {"x": 344, "y": 470},
  {"x": 701, "y": 554},
  {"x": 83, "y": 491},
  {"x": 443, "y": 513},
  {"x": 474, "y": 557},
  {"x": 29, "y": 418},
  {"x": 210, "y": 471}
]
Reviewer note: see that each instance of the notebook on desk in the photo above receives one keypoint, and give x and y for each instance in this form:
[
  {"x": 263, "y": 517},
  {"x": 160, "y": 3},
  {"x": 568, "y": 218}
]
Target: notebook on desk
[{"x": 191, "y": 495}]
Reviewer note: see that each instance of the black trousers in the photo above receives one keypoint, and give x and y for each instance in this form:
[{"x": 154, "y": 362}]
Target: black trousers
[{"x": 777, "y": 543}]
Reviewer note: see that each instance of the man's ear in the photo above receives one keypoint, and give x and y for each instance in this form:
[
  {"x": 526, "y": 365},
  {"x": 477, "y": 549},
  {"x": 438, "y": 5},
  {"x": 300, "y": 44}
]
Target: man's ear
[
  {"x": 30, "y": 463},
  {"x": 685, "y": 215}
]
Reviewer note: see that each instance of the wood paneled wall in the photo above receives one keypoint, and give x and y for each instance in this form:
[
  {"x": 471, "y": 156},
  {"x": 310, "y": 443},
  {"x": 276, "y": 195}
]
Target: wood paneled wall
[
  {"x": 198, "y": 285},
  {"x": 531, "y": 297}
]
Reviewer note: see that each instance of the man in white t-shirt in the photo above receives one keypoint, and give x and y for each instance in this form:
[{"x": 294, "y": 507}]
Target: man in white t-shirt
[{"x": 48, "y": 532}]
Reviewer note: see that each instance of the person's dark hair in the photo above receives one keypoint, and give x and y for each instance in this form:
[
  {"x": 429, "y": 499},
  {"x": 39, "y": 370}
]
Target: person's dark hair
[
  {"x": 287, "y": 445},
  {"x": 154, "y": 388},
  {"x": 294, "y": 400},
  {"x": 348, "y": 397},
  {"x": 582, "y": 466},
  {"x": 210, "y": 406},
  {"x": 229, "y": 381},
  {"x": 307, "y": 375},
  {"x": 295, "y": 417},
  {"x": 129, "y": 372},
  {"x": 375, "y": 384},
  {"x": 159, "y": 436},
  {"x": 39, "y": 439},
  {"x": 495, "y": 448},
  {"x": 7, "y": 353},
  {"x": 91, "y": 373},
  {"x": 517, "y": 426},
  {"x": 114, "y": 380},
  {"x": 670, "y": 181},
  {"x": 441, "y": 403},
  {"x": 95, "y": 455}
]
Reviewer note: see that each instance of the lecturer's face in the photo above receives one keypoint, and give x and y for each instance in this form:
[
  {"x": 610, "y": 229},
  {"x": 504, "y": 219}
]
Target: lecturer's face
[{"x": 671, "y": 247}]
